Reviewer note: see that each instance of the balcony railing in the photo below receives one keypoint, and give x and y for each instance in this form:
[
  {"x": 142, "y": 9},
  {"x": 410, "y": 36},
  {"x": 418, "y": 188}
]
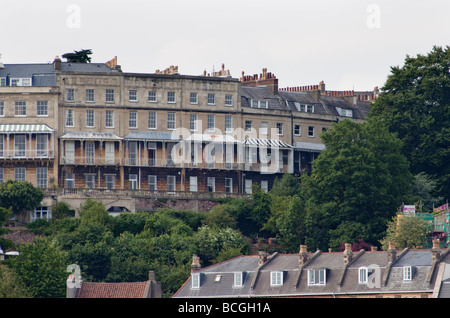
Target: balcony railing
[
  {"x": 90, "y": 161},
  {"x": 104, "y": 193},
  {"x": 26, "y": 154}
]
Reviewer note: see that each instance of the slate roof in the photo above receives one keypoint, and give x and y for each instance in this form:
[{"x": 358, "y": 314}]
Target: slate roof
[
  {"x": 330, "y": 103},
  {"x": 45, "y": 75},
  {"x": 225, "y": 286},
  {"x": 260, "y": 94},
  {"x": 341, "y": 279}
]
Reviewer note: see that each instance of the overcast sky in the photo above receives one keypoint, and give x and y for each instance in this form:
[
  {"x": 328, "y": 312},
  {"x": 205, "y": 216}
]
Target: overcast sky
[{"x": 349, "y": 44}]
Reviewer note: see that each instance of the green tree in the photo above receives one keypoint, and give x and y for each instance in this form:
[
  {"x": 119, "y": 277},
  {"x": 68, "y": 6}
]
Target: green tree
[
  {"x": 360, "y": 177},
  {"x": 415, "y": 104},
  {"x": 42, "y": 267},
  {"x": 60, "y": 210},
  {"x": 20, "y": 196},
  {"x": 94, "y": 212},
  {"x": 11, "y": 286},
  {"x": 82, "y": 56},
  {"x": 405, "y": 232}
]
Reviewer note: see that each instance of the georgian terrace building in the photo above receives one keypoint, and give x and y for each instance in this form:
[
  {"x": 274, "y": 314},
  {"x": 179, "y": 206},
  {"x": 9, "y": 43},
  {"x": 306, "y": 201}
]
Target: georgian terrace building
[{"x": 92, "y": 129}]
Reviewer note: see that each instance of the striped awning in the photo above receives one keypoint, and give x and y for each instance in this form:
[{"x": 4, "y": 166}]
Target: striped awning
[
  {"x": 26, "y": 128},
  {"x": 82, "y": 135},
  {"x": 272, "y": 143}
]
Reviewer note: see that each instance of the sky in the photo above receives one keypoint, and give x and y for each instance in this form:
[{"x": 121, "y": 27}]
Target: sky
[{"x": 348, "y": 44}]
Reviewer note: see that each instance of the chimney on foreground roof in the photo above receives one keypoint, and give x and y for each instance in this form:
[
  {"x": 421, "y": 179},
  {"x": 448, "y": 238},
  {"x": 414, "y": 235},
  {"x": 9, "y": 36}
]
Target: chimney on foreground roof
[
  {"x": 348, "y": 254},
  {"x": 262, "y": 257},
  {"x": 195, "y": 266},
  {"x": 435, "y": 251},
  {"x": 303, "y": 255},
  {"x": 391, "y": 252}
]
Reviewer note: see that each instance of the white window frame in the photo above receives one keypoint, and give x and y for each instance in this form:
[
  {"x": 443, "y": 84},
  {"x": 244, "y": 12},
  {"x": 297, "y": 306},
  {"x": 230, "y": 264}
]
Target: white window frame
[
  {"x": 42, "y": 145},
  {"x": 133, "y": 181},
  {"x": 228, "y": 123},
  {"x": 171, "y": 97},
  {"x": 193, "y": 184},
  {"x": 89, "y": 180},
  {"x": 229, "y": 100},
  {"x": 89, "y": 152},
  {"x": 42, "y": 108},
  {"x": 171, "y": 121},
  {"x": 152, "y": 120},
  {"x": 152, "y": 97},
  {"x": 20, "y": 174},
  {"x": 311, "y": 131},
  {"x": 110, "y": 181},
  {"x": 133, "y": 95},
  {"x": 407, "y": 273},
  {"x": 193, "y": 118},
  {"x": 228, "y": 185},
  {"x": 70, "y": 95},
  {"x": 211, "y": 99},
  {"x": 20, "y": 108},
  {"x": 42, "y": 177},
  {"x": 90, "y": 118},
  {"x": 211, "y": 184},
  {"x": 363, "y": 275},
  {"x": 317, "y": 277},
  {"x": 276, "y": 278},
  {"x": 20, "y": 145},
  {"x": 90, "y": 95},
  {"x": 195, "y": 279},
  {"x": 109, "y": 96},
  {"x": 69, "y": 118},
  {"x": 171, "y": 184},
  {"x": 152, "y": 183},
  {"x": 193, "y": 98},
  {"x": 238, "y": 279},
  {"x": 133, "y": 120},
  {"x": 280, "y": 131},
  {"x": 299, "y": 133},
  {"x": 70, "y": 180},
  {"x": 211, "y": 122},
  {"x": 109, "y": 119}
]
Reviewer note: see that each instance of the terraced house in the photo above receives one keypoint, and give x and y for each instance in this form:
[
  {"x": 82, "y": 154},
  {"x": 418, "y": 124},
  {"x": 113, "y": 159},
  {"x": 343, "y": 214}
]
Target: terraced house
[{"x": 129, "y": 139}]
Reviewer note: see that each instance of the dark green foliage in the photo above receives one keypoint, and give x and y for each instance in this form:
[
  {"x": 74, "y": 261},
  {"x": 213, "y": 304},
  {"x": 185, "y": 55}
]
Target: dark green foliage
[
  {"x": 415, "y": 104},
  {"x": 20, "y": 196},
  {"x": 82, "y": 56}
]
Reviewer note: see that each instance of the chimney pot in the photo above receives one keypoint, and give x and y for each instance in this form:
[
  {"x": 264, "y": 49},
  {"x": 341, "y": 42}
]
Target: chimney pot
[
  {"x": 195, "y": 263},
  {"x": 262, "y": 257},
  {"x": 435, "y": 251},
  {"x": 392, "y": 252},
  {"x": 348, "y": 254}
]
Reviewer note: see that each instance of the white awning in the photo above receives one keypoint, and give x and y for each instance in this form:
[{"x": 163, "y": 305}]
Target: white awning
[
  {"x": 272, "y": 143},
  {"x": 309, "y": 146},
  {"x": 26, "y": 128},
  {"x": 81, "y": 135},
  {"x": 212, "y": 138}
]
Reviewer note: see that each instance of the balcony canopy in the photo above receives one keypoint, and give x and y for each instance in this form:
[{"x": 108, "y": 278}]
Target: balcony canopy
[
  {"x": 309, "y": 146},
  {"x": 25, "y": 128},
  {"x": 271, "y": 143},
  {"x": 151, "y": 136},
  {"x": 212, "y": 138},
  {"x": 83, "y": 135}
]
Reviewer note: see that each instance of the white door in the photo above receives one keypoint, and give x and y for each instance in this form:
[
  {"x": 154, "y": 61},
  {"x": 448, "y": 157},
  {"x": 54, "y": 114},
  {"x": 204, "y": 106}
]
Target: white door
[
  {"x": 109, "y": 152},
  {"x": 248, "y": 186},
  {"x": 69, "y": 151},
  {"x": 193, "y": 184}
]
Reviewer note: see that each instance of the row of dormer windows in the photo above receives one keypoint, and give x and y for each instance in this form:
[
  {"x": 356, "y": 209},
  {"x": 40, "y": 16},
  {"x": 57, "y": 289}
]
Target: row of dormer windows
[{"x": 316, "y": 277}]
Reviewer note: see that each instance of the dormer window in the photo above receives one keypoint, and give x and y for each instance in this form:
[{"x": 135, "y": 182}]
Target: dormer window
[
  {"x": 196, "y": 280},
  {"x": 407, "y": 273},
  {"x": 363, "y": 275},
  {"x": 344, "y": 112},
  {"x": 276, "y": 278},
  {"x": 238, "y": 279},
  {"x": 20, "y": 81},
  {"x": 259, "y": 103},
  {"x": 317, "y": 277}
]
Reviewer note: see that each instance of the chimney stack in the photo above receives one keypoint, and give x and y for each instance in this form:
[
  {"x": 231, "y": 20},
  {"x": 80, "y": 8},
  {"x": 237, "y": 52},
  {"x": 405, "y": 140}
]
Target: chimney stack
[
  {"x": 391, "y": 252},
  {"x": 348, "y": 254},
  {"x": 435, "y": 251},
  {"x": 262, "y": 257},
  {"x": 303, "y": 255},
  {"x": 195, "y": 266},
  {"x": 57, "y": 64}
]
